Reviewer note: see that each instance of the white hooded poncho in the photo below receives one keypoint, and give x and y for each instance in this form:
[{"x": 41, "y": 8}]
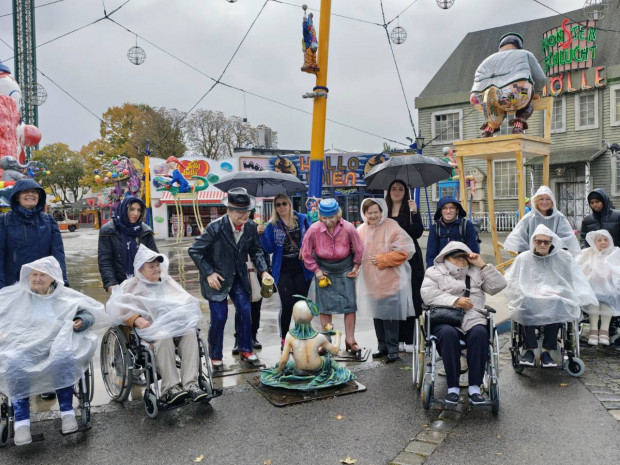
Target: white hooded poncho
[
  {"x": 39, "y": 350},
  {"x": 385, "y": 292},
  {"x": 550, "y": 289},
  {"x": 171, "y": 310},
  {"x": 602, "y": 269},
  {"x": 519, "y": 239}
]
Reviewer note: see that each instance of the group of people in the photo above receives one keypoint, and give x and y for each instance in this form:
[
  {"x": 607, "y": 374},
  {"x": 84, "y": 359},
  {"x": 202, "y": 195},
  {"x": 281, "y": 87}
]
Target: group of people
[{"x": 376, "y": 268}]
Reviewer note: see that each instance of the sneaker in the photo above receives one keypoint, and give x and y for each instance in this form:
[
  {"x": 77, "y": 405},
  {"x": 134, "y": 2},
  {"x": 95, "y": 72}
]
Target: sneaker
[
  {"x": 547, "y": 360},
  {"x": 175, "y": 395},
  {"x": 409, "y": 348},
  {"x": 391, "y": 358},
  {"x": 137, "y": 377},
  {"x": 593, "y": 338},
  {"x": 22, "y": 435},
  {"x": 248, "y": 357},
  {"x": 235, "y": 350},
  {"x": 196, "y": 393},
  {"x": 69, "y": 424},
  {"x": 401, "y": 346},
  {"x": 452, "y": 398},
  {"x": 603, "y": 338},
  {"x": 527, "y": 359},
  {"x": 256, "y": 344},
  {"x": 217, "y": 363},
  {"x": 476, "y": 399}
]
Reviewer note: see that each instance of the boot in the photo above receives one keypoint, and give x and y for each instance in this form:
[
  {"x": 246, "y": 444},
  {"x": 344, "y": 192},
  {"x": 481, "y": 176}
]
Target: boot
[{"x": 518, "y": 125}]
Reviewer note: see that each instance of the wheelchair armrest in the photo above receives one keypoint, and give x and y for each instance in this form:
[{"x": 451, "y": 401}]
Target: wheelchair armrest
[{"x": 490, "y": 309}]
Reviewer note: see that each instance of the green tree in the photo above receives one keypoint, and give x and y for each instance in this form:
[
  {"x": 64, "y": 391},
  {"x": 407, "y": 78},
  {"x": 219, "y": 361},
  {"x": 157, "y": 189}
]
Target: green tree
[{"x": 66, "y": 169}]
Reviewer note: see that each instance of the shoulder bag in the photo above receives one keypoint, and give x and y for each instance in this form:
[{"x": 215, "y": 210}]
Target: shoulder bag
[{"x": 449, "y": 315}]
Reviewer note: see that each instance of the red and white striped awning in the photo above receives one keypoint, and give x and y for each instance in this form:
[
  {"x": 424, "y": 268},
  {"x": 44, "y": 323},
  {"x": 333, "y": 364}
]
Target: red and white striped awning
[{"x": 211, "y": 197}]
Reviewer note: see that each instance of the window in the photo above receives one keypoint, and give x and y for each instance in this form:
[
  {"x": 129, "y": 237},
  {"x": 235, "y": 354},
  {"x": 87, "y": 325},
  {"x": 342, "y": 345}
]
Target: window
[
  {"x": 446, "y": 126},
  {"x": 586, "y": 111},
  {"x": 505, "y": 179},
  {"x": 505, "y": 128},
  {"x": 558, "y": 116},
  {"x": 614, "y": 105}
]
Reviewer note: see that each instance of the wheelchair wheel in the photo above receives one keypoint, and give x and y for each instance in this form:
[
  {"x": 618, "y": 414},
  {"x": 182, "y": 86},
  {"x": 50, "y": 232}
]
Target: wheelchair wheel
[
  {"x": 116, "y": 364},
  {"x": 205, "y": 377},
  {"x": 494, "y": 397},
  {"x": 427, "y": 391},
  {"x": 150, "y": 405},
  {"x": 575, "y": 367},
  {"x": 417, "y": 363}
]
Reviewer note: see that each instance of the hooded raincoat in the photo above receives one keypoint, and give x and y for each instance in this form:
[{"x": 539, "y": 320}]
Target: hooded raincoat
[
  {"x": 39, "y": 349},
  {"x": 384, "y": 290},
  {"x": 170, "y": 309},
  {"x": 602, "y": 269},
  {"x": 547, "y": 289},
  {"x": 607, "y": 218},
  {"x": 444, "y": 283},
  {"x": 519, "y": 240}
]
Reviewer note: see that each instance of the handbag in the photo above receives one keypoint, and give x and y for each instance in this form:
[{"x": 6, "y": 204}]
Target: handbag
[
  {"x": 449, "y": 315},
  {"x": 254, "y": 283}
]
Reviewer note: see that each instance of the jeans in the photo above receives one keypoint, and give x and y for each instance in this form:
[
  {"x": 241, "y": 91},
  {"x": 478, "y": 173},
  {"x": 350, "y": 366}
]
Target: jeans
[
  {"x": 243, "y": 321},
  {"x": 550, "y": 337},
  {"x": 387, "y": 335},
  {"x": 449, "y": 347},
  {"x": 21, "y": 407}
]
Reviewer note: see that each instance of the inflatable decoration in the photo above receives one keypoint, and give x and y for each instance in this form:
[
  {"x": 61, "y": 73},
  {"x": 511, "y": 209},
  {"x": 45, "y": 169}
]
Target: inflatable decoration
[{"x": 309, "y": 44}]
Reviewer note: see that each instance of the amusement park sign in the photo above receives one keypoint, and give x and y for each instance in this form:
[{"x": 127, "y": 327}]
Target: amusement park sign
[
  {"x": 194, "y": 168},
  {"x": 569, "y": 47}
]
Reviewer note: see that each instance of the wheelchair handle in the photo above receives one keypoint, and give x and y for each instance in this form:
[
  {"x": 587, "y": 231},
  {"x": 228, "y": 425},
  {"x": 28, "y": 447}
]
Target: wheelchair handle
[{"x": 490, "y": 309}]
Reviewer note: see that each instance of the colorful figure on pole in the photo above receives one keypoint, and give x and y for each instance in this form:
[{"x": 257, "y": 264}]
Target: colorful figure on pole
[
  {"x": 309, "y": 44},
  {"x": 177, "y": 177},
  {"x": 118, "y": 171},
  {"x": 506, "y": 82},
  {"x": 308, "y": 370}
]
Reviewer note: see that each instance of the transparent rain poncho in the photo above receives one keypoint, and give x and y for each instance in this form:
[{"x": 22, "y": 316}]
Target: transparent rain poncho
[
  {"x": 602, "y": 269},
  {"x": 171, "y": 310},
  {"x": 385, "y": 293},
  {"x": 547, "y": 289},
  {"x": 519, "y": 239},
  {"x": 39, "y": 350}
]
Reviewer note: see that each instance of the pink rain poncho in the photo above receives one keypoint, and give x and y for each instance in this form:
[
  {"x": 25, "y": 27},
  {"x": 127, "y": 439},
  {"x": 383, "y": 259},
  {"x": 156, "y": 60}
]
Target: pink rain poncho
[
  {"x": 519, "y": 239},
  {"x": 547, "y": 289},
  {"x": 39, "y": 349},
  {"x": 384, "y": 292},
  {"x": 171, "y": 310},
  {"x": 602, "y": 269}
]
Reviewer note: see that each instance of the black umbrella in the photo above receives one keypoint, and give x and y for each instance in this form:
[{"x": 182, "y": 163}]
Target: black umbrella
[
  {"x": 413, "y": 170},
  {"x": 262, "y": 183}
]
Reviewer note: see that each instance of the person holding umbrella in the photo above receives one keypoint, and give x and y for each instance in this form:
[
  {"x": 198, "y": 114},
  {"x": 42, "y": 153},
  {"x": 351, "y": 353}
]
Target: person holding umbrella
[
  {"x": 332, "y": 249},
  {"x": 403, "y": 209},
  {"x": 283, "y": 237}
]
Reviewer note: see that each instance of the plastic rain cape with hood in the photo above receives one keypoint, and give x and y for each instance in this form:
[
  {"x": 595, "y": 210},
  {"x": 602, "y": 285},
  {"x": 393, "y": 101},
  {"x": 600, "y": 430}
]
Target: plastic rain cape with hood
[
  {"x": 384, "y": 293},
  {"x": 39, "y": 350},
  {"x": 547, "y": 289},
  {"x": 519, "y": 239},
  {"x": 602, "y": 269},
  {"x": 170, "y": 309}
]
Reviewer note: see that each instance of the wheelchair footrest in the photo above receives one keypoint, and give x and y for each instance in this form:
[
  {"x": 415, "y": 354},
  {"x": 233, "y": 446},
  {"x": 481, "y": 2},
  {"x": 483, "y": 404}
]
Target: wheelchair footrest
[{"x": 80, "y": 429}]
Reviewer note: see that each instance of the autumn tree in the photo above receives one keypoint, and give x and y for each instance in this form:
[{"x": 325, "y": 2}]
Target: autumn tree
[{"x": 66, "y": 169}]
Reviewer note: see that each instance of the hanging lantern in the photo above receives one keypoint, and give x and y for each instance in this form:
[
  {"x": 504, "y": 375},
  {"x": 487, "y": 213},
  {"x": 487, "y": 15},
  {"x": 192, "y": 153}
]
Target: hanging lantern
[
  {"x": 445, "y": 4},
  {"x": 35, "y": 94},
  {"x": 231, "y": 1},
  {"x": 398, "y": 35},
  {"x": 136, "y": 55},
  {"x": 595, "y": 9}
]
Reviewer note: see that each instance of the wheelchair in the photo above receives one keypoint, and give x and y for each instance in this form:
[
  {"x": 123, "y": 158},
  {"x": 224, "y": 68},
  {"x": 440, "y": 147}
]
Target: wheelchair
[
  {"x": 425, "y": 358},
  {"x": 568, "y": 346},
  {"x": 83, "y": 391},
  {"x": 121, "y": 355}
]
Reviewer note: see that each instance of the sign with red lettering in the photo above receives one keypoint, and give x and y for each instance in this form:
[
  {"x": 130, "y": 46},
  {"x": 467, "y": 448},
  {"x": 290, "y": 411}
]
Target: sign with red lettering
[{"x": 194, "y": 168}]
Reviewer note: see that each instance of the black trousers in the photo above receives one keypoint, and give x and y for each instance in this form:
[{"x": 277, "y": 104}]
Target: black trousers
[
  {"x": 291, "y": 282},
  {"x": 387, "y": 334},
  {"x": 449, "y": 347},
  {"x": 405, "y": 330},
  {"x": 550, "y": 337}
]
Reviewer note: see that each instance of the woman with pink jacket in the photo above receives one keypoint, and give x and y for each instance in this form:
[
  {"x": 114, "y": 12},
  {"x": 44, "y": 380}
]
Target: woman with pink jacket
[{"x": 333, "y": 249}]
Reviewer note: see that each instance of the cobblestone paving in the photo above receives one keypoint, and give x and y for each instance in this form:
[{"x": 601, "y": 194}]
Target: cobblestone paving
[{"x": 602, "y": 376}]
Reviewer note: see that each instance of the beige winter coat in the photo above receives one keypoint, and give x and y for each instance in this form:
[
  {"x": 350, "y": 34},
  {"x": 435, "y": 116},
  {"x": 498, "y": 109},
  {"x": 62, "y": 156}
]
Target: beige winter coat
[{"x": 442, "y": 288}]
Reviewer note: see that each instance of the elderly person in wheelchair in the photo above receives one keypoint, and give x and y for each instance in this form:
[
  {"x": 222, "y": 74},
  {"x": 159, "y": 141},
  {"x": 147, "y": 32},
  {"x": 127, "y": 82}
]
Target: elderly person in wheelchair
[
  {"x": 459, "y": 278},
  {"x": 161, "y": 310},
  {"x": 46, "y": 342},
  {"x": 546, "y": 287}
]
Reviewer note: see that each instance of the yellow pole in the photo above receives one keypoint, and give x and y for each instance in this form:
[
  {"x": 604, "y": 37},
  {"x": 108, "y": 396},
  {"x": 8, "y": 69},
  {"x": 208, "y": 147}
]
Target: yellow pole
[
  {"x": 319, "y": 113},
  {"x": 147, "y": 189}
]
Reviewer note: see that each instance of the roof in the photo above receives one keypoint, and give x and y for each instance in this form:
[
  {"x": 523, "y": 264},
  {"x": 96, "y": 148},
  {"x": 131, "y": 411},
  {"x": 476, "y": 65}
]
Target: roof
[
  {"x": 456, "y": 75},
  {"x": 574, "y": 155}
]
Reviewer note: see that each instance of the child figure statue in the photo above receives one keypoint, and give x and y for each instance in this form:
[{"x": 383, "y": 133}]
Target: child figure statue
[
  {"x": 506, "y": 82},
  {"x": 308, "y": 370},
  {"x": 177, "y": 178},
  {"x": 309, "y": 44}
]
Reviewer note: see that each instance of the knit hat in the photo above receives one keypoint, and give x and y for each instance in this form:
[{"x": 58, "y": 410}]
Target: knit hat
[
  {"x": 328, "y": 207},
  {"x": 511, "y": 38}
]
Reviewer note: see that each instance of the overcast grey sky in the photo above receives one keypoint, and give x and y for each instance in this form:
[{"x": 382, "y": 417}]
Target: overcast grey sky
[{"x": 92, "y": 64}]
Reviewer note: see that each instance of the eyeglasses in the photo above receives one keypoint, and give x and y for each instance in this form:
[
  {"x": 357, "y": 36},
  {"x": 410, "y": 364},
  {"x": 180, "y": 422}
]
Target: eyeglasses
[
  {"x": 541, "y": 242},
  {"x": 448, "y": 208},
  {"x": 281, "y": 204}
]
